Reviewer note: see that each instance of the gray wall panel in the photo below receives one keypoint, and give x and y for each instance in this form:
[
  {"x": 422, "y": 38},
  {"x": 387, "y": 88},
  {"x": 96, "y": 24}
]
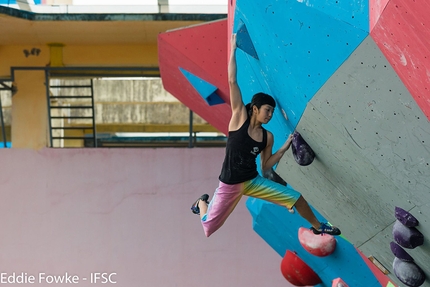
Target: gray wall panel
[
  {"x": 342, "y": 184},
  {"x": 373, "y": 153},
  {"x": 370, "y": 105}
]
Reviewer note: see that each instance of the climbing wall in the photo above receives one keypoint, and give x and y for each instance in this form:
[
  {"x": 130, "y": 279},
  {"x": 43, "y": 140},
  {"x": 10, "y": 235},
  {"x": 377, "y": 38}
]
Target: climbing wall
[
  {"x": 193, "y": 65},
  {"x": 402, "y": 35},
  {"x": 352, "y": 77}
]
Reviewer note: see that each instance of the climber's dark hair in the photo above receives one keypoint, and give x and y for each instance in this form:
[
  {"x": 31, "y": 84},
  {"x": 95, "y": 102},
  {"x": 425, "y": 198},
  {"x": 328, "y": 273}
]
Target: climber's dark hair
[{"x": 258, "y": 100}]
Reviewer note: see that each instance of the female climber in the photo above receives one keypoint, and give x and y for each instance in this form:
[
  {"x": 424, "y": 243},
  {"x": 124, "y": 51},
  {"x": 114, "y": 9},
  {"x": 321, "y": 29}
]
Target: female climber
[{"x": 239, "y": 176}]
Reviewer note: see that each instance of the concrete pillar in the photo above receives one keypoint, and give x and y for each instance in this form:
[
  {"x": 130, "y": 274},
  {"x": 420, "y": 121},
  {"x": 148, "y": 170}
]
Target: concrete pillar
[
  {"x": 163, "y": 6},
  {"x": 29, "y": 110},
  {"x": 56, "y": 54},
  {"x": 25, "y": 4}
]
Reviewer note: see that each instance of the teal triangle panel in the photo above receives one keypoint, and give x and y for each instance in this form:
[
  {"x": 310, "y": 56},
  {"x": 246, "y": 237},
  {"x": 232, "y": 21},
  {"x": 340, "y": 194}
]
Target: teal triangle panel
[{"x": 206, "y": 90}]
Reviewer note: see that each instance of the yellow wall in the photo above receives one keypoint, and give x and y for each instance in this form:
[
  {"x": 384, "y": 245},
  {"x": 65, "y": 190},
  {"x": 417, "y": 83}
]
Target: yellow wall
[
  {"x": 14, "y": 56},
  {"x": 96, "y": 55},
  {"x": 111, "y": 55}
]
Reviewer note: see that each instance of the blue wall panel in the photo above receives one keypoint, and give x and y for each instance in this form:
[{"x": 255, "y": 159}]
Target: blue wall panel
[
  {"x": 296, "y": 55},
  {"x": 356, "y": 12},
  {"x": 6, "y": 2},
  {"x": 279, "y": 229}
]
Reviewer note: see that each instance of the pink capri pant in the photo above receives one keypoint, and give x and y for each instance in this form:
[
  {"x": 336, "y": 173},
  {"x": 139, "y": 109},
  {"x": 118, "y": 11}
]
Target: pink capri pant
[{"x": 227, "y": 196}]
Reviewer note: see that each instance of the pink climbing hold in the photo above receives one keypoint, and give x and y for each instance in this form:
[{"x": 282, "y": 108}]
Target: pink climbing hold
[
  {"x": 297, "y": 272},
  {"x": 318, "y": 245},
  {"x": 339, "y": 283}
]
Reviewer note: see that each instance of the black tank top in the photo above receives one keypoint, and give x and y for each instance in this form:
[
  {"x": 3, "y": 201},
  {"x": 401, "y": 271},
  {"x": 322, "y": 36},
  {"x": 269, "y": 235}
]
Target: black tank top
[{"x": 240, "y": 154}]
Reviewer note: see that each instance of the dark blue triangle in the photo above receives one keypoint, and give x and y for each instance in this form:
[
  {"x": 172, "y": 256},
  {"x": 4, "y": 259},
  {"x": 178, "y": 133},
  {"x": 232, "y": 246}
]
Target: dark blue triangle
[{"x": 244, "y": 42}]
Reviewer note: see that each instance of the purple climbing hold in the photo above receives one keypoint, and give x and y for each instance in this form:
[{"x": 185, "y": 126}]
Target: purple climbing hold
[
  {"x": 400, "y": 253},
  {"x": 405, "y": 217},
  {"x": 408, "y": 273},
  {"x": 407, "y": 237},
  {"x": 302, "y": 152}
]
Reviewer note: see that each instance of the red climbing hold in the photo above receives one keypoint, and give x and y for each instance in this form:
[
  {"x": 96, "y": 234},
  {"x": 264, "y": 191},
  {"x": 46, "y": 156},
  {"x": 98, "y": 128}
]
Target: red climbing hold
[{"x": 297, "y": 272}]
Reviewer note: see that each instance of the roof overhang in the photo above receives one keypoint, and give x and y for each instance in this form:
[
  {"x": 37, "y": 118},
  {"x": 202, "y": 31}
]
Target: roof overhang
[{"x": 21, "y": 27}]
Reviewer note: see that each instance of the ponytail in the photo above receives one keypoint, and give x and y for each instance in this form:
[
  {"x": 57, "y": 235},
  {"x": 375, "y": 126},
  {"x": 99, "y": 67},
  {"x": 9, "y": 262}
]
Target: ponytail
[{"x": 249, "y": 109}]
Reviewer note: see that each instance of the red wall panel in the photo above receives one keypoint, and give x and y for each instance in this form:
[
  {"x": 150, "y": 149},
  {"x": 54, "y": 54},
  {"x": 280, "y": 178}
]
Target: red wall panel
[
  {"x": 202, "y": 51},
  {"x": 402, "y": 35}
]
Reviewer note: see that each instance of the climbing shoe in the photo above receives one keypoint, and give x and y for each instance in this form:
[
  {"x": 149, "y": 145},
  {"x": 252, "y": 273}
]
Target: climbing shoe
[
  {"x": 195, "y": 207},
  {"x": 326, "y": 229}
]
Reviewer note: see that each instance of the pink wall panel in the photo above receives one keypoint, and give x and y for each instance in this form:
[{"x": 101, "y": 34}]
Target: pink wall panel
[
  {"x": 402, "y": 35},
  {"x": 124, "y": 211},
  {"x": 376, "y": 7},
  {"x": 231, "y": 9},
  {"x": 202, "y": 51}
]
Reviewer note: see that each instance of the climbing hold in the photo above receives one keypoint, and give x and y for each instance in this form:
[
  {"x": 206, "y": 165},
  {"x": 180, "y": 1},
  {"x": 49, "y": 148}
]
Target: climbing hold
[
  {"x": 302, "y": 152},
  {"x": 405, "y": 217},
  {"x": 316, "y": 244},
  {"x": 244, "y": 42},
  {"x": 297, "y": 272},
  {"x": 206, "y": 90},
  {"x": 408, "y": 273},
  {"x": 407, "y": 237},
  {"x": 339, "y": 283},
  {"x": 400, "y": 253}
]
